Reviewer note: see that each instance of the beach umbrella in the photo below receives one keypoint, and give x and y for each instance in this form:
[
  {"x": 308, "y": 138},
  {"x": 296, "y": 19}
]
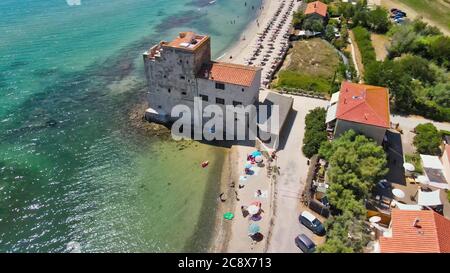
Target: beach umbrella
[
  {"x": 252, "y": 209},
  {"x": 409, "y": 167},
  {"x": 253, "y": 229},
  {"x": 398, "y": 193},
  {"x": 228, "y": 215},
  {"x": 256, "y": 153},
  {"x": 375, "y": 219},
  {"x": 259, "y": 159}
]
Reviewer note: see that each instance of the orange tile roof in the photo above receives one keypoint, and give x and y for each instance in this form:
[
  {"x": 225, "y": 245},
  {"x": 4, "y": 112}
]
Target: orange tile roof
[
  {"x": 187, "y": 40},
  {"x": 229, "y": 73},
  {"x": 316, "y": 7},
  {"x": 366, "y": 104},
  {"x": 430, "y": 235}
]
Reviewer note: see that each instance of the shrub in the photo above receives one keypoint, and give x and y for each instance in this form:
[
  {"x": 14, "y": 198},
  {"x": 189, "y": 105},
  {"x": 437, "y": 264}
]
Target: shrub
[
  {"x": 315, "y": 131},
  {"x": 427, "y": 139},
  {"x": 416, "y": 161},
  {"x": 293, "y": 79},
  {"x": 362, "y": 37}
]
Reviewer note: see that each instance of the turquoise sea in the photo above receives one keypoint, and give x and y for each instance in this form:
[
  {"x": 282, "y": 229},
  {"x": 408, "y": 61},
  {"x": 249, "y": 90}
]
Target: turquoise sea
[{"x": 72, "y": 168}]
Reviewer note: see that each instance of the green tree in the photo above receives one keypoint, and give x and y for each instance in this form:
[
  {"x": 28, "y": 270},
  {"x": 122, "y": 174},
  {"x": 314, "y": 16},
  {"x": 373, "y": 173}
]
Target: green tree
[
  {"x": 346, "y": 233},
  {"x": 440, "y": 94},
  {"x": 417, "y": 67},
  {"x": 440, "y": 50},
  {"x": 391, "y": 75},
  {"x": 403, "y": 40},
  {"x": 329, "y": 33},
  {"x": 356, "y": 164},
  {"x": 377, "y": 20},
  {"x": 312, "y": 24},
  {"x": 427, "y": 139},
  {"x": 297, "y": 19},
  {"x": 315, "y": 131}
]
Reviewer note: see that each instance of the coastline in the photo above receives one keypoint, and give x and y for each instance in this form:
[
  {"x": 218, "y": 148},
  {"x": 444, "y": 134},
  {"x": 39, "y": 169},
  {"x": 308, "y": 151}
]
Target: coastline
[{"x": 241, "y": 49}]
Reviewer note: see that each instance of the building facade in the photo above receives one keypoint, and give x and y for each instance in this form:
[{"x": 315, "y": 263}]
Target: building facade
[
  {"x": 359, "y": 107},
  {"x": 179, "y": 71}
]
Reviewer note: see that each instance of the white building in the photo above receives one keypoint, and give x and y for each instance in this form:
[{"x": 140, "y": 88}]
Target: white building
[{"x": 180, "y": 70}]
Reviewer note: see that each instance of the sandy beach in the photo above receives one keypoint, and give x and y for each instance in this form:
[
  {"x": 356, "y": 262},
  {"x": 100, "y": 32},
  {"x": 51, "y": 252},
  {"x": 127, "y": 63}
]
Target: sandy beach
[
  {"x": 242, "y": 49},
  {"x": 232, "y": 235}
]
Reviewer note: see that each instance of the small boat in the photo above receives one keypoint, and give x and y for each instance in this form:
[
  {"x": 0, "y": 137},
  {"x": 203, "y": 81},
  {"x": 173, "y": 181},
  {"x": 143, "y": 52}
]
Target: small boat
[
  {"x": 205, "y": 164},
  {"x": 212, "y": 2}
]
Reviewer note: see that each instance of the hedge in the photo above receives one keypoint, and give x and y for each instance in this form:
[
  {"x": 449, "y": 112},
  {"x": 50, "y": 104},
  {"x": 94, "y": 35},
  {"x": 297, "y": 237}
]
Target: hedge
[{"x": 362, "y": 37}]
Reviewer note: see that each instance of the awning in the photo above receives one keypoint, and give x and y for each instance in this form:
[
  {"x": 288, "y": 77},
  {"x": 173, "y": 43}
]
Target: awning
[
  {"x": 331, "y": 113},
  {"x": 406, "y": 207},
  {"x": 334, "y": 98},
  {"x": 429, "y": 198},
  {"x": 431, "y": 161}
]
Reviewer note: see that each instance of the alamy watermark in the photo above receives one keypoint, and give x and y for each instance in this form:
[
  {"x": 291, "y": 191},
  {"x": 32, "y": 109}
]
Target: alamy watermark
[{"x": 225, "y": 122}]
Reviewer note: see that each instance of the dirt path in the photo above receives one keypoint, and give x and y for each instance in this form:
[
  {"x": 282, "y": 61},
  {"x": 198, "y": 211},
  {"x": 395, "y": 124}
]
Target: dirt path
[
  {"x": 379, "y": 43},
  {"x": 356, "y": 56},
  {"x": 413, "y": 14}
]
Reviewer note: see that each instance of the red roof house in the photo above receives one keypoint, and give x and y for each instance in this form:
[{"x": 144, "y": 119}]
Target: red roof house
[
  {"x": 316, "y": 7},
  {"x": 362, "y": 108},
  {"x": 366, "y": 104},
  {"x": 423, "y": 231}
]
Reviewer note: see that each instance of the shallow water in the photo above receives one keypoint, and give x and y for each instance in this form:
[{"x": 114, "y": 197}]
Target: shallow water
[{"x": 72, "y": 169}]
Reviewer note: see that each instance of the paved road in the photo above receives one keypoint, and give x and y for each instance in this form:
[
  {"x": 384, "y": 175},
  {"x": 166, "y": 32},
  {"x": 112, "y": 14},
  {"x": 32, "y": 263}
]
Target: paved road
[
  {"x": 407, "y": 124},
  {"x": 293, "y": 167}
]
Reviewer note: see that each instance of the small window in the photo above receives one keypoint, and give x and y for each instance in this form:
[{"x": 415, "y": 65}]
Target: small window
[
  {"x": 220, "y": 86},
  {"x": 183, "y": 93},
  {"x": 168, "y": 90},
  {"x": 159, "y": 107},
  {"x": 182, "y": 77},
  {"x": 220, "y": 101},
  {"x": 204, "y": 98},
  {"x": 236, "y": 103},
  {"x": 242, "y": 89},
  {"x": 165, "y": 76}
]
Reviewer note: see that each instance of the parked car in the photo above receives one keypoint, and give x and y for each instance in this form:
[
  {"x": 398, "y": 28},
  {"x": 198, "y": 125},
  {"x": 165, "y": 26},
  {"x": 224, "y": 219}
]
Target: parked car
[
  {"x": 305, "y": 244},
  {"x": 311, "y": 222}
]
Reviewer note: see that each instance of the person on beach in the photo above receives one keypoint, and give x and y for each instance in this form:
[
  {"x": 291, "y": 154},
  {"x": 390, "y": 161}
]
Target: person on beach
[
  {"x": 222, "y": 199},
  {"x": 244, "y": 211}
]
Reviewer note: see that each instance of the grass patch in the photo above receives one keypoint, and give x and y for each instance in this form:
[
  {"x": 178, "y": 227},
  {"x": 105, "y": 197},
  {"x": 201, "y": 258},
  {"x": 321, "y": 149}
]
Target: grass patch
[
  {"x": 296, "y": 80},
  {"x": 311, "y": 66},
  {"x": 416, "y": 161},
  {"x": 436, "y": 10},
  {"x": 362, "y": 37}
]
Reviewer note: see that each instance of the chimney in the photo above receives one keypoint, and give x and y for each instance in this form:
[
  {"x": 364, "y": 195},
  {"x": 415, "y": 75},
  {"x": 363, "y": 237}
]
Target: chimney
[
  {"x": 416, "y": 223},
  {"x": 365, "y": 116}
]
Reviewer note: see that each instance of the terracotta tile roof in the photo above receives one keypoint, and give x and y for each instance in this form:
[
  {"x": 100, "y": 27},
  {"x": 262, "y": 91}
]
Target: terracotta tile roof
[
  {"x": 366, "y": 104},
  {"x": 430, "y": 235},
  {"x": 316, "y": 7},
  {"x": 187, "y": 40},
  {"x": 229, "y": 73}
]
